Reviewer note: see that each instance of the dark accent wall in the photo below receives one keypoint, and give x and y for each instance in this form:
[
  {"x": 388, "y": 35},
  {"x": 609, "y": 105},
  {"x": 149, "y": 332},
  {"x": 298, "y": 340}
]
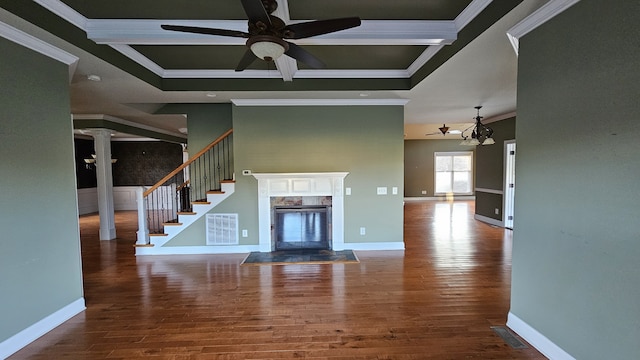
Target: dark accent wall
[
  {"x": 490, "y": 169},
  {"x": 144, "y": 162},
  {"x": 576, "y": 241},
  {"x": 419, "y": 164},
  {"x": 140, "y": 163},
  {"x": 85, "y": 173}
]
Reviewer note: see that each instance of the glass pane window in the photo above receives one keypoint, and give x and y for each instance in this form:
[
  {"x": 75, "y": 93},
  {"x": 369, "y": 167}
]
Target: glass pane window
[{"x": 454, "y": 173}]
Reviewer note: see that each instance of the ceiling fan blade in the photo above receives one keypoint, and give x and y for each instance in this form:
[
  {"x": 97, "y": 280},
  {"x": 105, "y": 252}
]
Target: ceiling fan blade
[
  {"x": 319, "y": 27},
  {"x": 255, "y": 11},
  {"x": 207, "y": 31},
  {"x": 247, "y": 59},
  {"x": 302, "y": 55}
]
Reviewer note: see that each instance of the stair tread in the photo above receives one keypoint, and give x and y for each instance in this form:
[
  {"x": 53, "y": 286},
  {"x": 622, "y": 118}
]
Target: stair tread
[
  {"x": 187, "y": 213},
  {"x": 159, "y": 234},
  {"x": 172, "y": 224}
]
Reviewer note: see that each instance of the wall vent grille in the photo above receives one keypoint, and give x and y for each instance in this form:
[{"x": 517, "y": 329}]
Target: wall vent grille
[{"x": 222, "y": 229}]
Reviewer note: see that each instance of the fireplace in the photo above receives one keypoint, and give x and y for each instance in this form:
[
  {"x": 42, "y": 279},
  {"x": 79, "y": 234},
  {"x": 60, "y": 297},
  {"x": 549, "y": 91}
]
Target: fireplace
[
  {"x": 300, "y": 191},
  {"x": 301, "y": 227}
]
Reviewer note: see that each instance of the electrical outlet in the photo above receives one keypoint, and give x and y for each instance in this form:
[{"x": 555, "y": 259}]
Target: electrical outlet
[
  {"x": 497, "y": 211},
  {"x": 347, "y": 191},
  {"x": 246, "y": 172},
  {"x": 245, "y": 233},
  {"x": 382, "y": 190},
  {"x": 424, "y": 192},
  {"x": 363, "y": 231}
]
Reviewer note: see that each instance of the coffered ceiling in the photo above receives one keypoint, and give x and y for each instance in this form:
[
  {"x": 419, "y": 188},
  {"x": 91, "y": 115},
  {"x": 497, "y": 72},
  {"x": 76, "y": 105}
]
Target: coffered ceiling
[{"x": 441, "y": 56}]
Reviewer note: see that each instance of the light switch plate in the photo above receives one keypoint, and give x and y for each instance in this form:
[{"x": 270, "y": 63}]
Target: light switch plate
[
  {"x": 347, "y": 191},
  {"x": 394, "y": 190}
]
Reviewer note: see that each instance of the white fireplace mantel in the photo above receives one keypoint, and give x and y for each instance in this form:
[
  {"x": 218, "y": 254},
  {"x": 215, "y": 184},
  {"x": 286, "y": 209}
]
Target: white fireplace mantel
[{"x": 300, "y": 184}]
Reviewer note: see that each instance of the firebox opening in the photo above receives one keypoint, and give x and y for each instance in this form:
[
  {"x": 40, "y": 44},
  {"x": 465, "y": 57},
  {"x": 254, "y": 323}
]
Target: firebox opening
[{"x": 301, "y": 227}]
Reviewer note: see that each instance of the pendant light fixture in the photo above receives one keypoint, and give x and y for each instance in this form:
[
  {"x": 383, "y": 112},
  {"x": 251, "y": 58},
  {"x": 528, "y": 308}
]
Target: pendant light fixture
[{"x": 480, "y": 133}]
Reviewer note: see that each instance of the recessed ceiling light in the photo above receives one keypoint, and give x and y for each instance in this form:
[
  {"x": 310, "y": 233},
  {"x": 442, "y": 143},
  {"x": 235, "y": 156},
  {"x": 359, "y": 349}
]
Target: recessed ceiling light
[
  {"x": 364, "y": 94},
  {"x": 183, "y": 130},
  {"x": 211, "y": 95},
  {"x": 94, "y": 77}
]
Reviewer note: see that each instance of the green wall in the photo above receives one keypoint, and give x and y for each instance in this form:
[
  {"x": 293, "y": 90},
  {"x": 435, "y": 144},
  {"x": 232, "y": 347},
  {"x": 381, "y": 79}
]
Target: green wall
[
  {"x": 576, "y": 245},
  {"x": 205, "y": 122},
  {"x": 490, "y": 169},
  {"x": 40, "y": 267},
  {"x": 419, "y": 167},
  {"x": 366, "y": 141}
]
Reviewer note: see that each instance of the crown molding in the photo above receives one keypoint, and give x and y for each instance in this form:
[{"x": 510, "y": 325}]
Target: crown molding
[
  {"x": 319, "y": 102},
  {"x": 144, "y": 61},
  {"x": 470, "y": 12},
  {"x": 62, "y": 10},
  {"x": 31, "y": 42},
  {"x": 545, "y": 13}
]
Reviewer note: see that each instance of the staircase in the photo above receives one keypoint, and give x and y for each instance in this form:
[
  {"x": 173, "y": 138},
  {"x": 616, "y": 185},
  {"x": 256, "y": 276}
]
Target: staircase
[{"x": 186, "y": 194}]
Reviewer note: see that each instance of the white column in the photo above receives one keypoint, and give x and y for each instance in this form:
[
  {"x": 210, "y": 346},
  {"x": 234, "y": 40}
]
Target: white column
[
  {"x": 102, "y": 144},
  {"x": 143, "y": 231}
]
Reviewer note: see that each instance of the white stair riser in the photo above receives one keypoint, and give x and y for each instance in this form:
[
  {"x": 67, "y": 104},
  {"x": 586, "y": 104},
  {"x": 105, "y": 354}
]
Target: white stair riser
[{"x": 199, "y": 209}]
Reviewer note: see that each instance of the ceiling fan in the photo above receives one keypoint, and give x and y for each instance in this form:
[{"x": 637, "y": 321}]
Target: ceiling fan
[
  {"x": 444, "y": 130},
  {"x": 267, "y": 33}
]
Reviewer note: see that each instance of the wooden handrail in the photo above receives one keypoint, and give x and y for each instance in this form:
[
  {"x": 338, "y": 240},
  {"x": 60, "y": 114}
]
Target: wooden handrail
[
  {"x": 187, "y": 163},
  {"x": 182, "y": 186}
]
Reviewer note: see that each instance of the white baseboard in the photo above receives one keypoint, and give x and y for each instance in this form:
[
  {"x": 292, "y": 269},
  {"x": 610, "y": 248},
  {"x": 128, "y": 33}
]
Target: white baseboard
[
  {"x": 440, "y": 198},
  {"x": 33, "y": 332},
  {"x": 489, "y": 220},
  {"x": 536, "y": 339},
  {"x": 240, "y": 249},
  {"x": 194, "y": 250},
  {"x": 399, "y": 245}
]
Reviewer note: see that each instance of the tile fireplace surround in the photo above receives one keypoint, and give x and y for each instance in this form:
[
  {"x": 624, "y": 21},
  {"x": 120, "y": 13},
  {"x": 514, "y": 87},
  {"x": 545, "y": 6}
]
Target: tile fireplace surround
[{"x": 300, "y": 184}]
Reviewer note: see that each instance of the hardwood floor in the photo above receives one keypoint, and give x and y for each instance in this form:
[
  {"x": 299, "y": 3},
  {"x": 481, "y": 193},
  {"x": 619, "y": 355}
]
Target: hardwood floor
[{"x": 435, "y": 300}]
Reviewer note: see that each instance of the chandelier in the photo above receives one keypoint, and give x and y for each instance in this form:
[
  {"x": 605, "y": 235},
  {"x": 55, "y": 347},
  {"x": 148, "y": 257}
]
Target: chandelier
[{"x": 480, "y": 134}]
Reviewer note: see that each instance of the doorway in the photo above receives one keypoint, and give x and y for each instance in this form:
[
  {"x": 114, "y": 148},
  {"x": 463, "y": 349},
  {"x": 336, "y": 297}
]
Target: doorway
[{"x": 509, "y": 182}]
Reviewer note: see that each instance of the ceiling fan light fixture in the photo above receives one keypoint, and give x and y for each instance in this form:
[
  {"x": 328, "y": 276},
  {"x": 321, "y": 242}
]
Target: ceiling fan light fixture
[{"x": 266, "y": 47}]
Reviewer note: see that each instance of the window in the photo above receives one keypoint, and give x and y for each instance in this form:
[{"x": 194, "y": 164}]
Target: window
[{"x": 454, "y": 173}]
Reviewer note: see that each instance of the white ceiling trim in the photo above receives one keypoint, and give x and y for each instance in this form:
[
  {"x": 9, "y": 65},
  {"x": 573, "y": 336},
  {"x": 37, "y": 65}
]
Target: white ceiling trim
[
  {"x": 299, "y": 74},
  {"x": 221, "y": 74},
  {"x": 62, "y": 10},
  {"x": 545, "y": 13},
  {"x": 346, "y": 74},
  {"x": 462, "y": 20},
  {"x": 88, "y": 117},
  {"x": 470, "y": 12},
  {"x": 31, "y": 42},
  {"x": 287, "y": 67},
  {"x": 134, "y": 55},
  {"x": 319, "y": 102},
  {"x": 370, "y": 32},
  {"x": 119, "y": 34}
]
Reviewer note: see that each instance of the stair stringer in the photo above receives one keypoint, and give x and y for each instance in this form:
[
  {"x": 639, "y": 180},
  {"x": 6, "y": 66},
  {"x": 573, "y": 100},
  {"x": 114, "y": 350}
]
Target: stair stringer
[{"x": 200, "y": 209}]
